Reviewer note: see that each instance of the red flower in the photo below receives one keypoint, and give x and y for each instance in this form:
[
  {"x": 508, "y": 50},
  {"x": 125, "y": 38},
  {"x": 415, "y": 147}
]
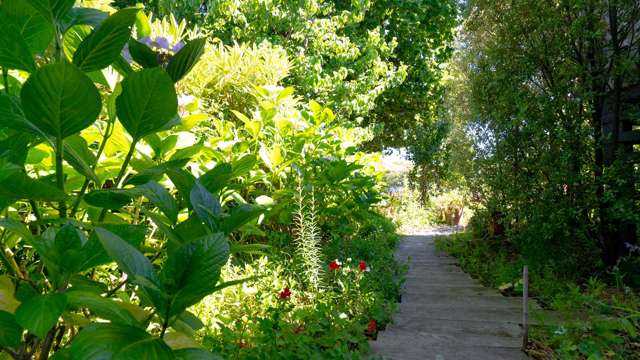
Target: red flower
[
  {"x": 334, "y": 265},
  {"x": 372, "y": 328},
  {"x": 285, "y": 294},
  {"x": 362, "y": 266}
]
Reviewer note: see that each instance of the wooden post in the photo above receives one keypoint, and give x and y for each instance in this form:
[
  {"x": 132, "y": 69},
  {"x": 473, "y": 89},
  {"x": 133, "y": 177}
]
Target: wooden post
[{"x": 525, "y": 307}]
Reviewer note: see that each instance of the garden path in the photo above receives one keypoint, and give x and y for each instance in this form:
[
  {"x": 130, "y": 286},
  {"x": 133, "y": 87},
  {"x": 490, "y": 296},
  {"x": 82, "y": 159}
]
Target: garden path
[{"x": 447, "y": 315}]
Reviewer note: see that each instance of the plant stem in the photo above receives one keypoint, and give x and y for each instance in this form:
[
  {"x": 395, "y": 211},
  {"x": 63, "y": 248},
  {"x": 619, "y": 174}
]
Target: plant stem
[
  {"x": 46, "y": 345},
  {"x": 60, "y": 174},
  {"x": 123, "y": 171},
  {"x": 107, "y": 134},
  {"x": 125, "y": 164}
]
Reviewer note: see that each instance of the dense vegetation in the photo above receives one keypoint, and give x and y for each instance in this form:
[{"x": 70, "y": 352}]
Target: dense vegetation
[
  {"x": 541, "y": 108},
  {"x": 164, "y": 195}
]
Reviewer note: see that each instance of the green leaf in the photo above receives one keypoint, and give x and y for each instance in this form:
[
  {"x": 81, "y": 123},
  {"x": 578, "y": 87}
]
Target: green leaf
[
  {"x": 21, "y": 186},
  {"x": 80, "y": 157},
  {"x": 103, "y": 46},
  {"x": 101, "y": 307},
  {"x": 142, "y": 54},
  {"x": 52, "y": 10},
  {"x": 85, "y": 16},
  {"x": 128, "y": 258},
  {"x": 182, "y": 180},
  {"x": 10, "y": 330},
  {"x": 186, "y": 58},
  {"x": 240, "y": 216},
  {"x": 12, "y": 116},
  {"x": 40, "y": 313},
  {"x": 192, "y": 272},
  {"x": 147, "y": 103},
  {"x": 161, "y": 198},
  {"x": 68, "y": 238},
  {"x": 60, "y": 100},
  {"x": 155, "y": 172},
  {"x": 36, "y": 30},
  {"x": 206, "y": 206},
  {"x": 143, "y": 26},
  {"x": 8, "y": 301},
  {"x": 195, "y": 354},
  {"x": 108, "y": 199},
  {"x": 94, "y": 254},
  {"x": 243, "y": 165},
  {"x": 118, "y": 342},
  {"x": 217, "y": 178},
  {"x": 14, "y": 51}
]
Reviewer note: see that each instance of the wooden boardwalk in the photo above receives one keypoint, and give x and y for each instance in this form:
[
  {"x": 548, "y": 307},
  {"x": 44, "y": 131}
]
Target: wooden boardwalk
[{"x": 447, "y": 315}]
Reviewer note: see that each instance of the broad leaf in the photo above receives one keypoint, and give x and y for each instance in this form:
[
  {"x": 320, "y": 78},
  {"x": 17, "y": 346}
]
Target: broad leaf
[
  {"x": 78, "y": 154},
  {"x": 206, "y": 206},
  {"x": 108, "y": 199},
  {"x": 14, "y": 51},
  {"x": 147, "y": 103},
  {"x": 36, "y": 30},
  {"x": 68, "y": 238},
  {"x": 185, "y": 59},
  {"x": 118, "y": 342},
  {"x": 103, "y": 46},
  {"x": 93, "y": 253},
  {"x": 142, "y": 54},
  {"x": 239, "y": 216},
  {"x": 40, "y": 313},
  {"x": 10, "y": 330},
  {"x": 243, "y": 165},
  {"x": 85, "y": 16},
  {"x": 161, "y": 198},
  {"x": 21, "y": 186},
  {"x": 155, "y": 172},
  {"x": 101, "y": 307},
  {"x": 192, "y": 272},
  {"x": 60, "y": 100},
  {"x": 52, "y": 10},
  {"x": 217, "y": 178},
  {"x": 129, "y": 259}
]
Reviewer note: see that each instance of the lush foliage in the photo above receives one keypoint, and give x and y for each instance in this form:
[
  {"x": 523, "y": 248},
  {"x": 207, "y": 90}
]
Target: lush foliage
[{"x": 123, "y": 198}]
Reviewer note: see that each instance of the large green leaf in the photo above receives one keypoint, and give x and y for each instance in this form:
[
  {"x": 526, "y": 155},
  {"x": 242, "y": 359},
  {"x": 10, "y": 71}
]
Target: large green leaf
[
  {"x": 14, "y": 51},
  {"x": 52, "y": 10},
  {"x": 155, "y": 172},
  {"x": 12, "y": 116},
  {"x": 21, "y": 186},
  {"x": 93, "y": 253},
  {"x": 205, "y": 205},
  {"x": 217, "y": 178},
  {"x": 10, "y": 330},
  {"x": 142, "y": 54},
  {"x": 147, "y": 103},
  {"x": 192, "y": 272},
  {"x": 186, "y": 59},
  {"x": 103, "y": 46},
  {"x": 85, "y": 16},
  {"x": 40, "y": 313},
  {"x": 60, "y": 100},
  {"x": 243, "y": 165},
  {"x": 78, "y": 154},
  {"x": 101, "y": 307},
  {"x": 161, "y": 198},
  {"x": 36, "y": 30},
  {"x": 129, "y": 259},
  {"x": 108, "y": 199},
  {"x": 118, "y": 342},
  {"x": 240, "y": 216}
]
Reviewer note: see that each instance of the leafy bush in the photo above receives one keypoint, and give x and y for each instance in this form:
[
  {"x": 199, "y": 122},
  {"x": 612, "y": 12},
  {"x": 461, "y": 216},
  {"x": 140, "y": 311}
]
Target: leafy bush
[{"x": 119, "y": 198}]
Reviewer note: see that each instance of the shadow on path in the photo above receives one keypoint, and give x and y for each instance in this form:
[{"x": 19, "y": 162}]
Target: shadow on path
[{"x": 447, "y": 315}]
